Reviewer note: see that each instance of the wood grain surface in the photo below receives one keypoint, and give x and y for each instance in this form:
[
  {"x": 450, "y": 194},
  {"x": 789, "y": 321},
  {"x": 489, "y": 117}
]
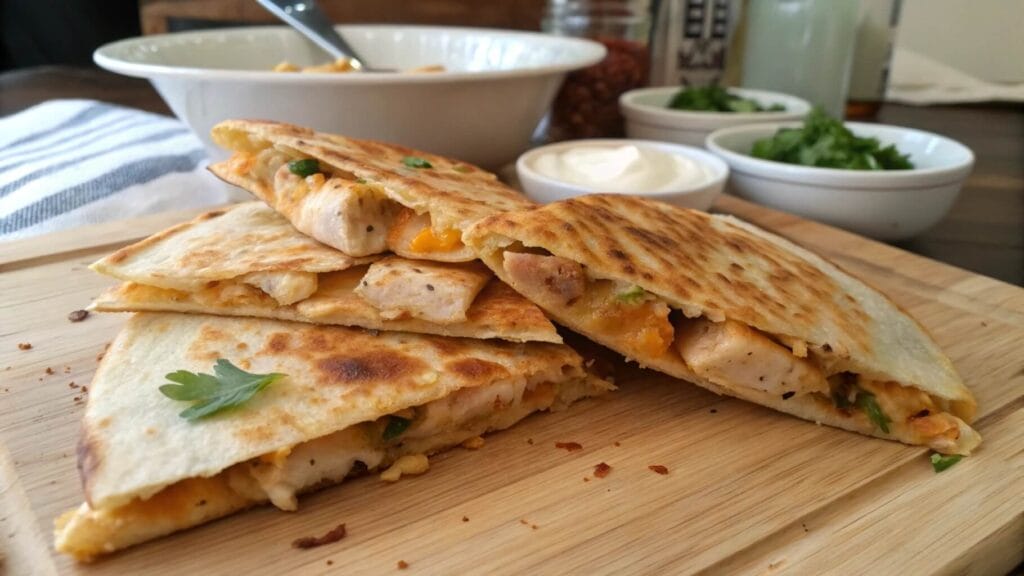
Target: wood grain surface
[{"x": 747, "y": 490}]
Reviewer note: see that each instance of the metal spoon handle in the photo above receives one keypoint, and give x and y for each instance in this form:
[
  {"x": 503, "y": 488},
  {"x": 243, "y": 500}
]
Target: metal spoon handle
[{"x": 306, "y": 17}]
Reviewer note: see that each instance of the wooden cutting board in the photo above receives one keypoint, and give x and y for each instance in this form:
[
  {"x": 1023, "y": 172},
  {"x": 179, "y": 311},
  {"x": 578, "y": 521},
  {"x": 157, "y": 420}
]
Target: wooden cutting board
[{"x": 748, "y": 490}]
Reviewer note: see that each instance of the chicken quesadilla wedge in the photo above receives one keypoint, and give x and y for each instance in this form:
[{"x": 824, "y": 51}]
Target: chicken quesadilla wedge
[
  {"x": 246, "y": 245},
  {"x": 735, "y": 309},
  {"x": 247, "y": 260},
  {"x": 335, "y": 402},
  {"x": 359, "y": 196}
]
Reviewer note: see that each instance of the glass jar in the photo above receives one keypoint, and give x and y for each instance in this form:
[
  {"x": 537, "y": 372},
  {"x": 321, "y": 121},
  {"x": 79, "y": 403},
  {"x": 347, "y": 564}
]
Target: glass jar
[
  {"x": 803, "y": 48},
  {"x": 587, "y": 106}
]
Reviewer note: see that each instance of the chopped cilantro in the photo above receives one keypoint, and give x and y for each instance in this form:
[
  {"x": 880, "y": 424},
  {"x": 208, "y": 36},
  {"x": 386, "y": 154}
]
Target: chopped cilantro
[
  {"x": 396, "y": 427},
  {"x": 631, "y": 296},
  {"x": 416, "y": 162},
  {"x": 304, "y": 167},
  {"x": 941, "y": 462},
  {"x": 229, "y": 387},
  {"x": 717, "y": 99},
  {"x": 866, "y": 402},
  {"x": 825, "y": 142}
]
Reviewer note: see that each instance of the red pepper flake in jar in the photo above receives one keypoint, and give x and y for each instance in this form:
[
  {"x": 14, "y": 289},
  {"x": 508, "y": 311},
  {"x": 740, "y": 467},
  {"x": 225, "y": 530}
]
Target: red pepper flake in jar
[
  {"x": 587, "y": 106},
  {"x": 402, "y": 564},
  {"x": 24, "y": 346},
  {"x": 602, "y": 470},
  {"x": 658, "y": 469}
]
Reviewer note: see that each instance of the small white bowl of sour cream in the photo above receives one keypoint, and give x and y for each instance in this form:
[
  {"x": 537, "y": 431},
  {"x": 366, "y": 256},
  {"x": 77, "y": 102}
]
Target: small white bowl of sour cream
[{"x": 672, "y": 173}]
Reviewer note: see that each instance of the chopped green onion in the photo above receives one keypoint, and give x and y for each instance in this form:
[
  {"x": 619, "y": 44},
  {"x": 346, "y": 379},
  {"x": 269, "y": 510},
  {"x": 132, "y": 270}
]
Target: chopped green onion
[
  {"x": 866, "y": 402},
  {"x": 631, "y": 296},
  {"x": 304, "y": 167},
  {"x": 940, "y": 462},
  {"x": 396, "y": 427},
  {"x": 416, "y": 162}
]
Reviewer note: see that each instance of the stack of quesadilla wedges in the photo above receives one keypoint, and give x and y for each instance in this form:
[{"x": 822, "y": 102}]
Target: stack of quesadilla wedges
[
  {"x": 381, "y": 304},
  {"x": 371, "y": 359}
]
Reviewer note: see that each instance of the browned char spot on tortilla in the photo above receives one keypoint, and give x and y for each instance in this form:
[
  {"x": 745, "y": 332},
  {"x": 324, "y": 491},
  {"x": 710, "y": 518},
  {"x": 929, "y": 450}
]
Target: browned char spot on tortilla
[
  {"x": 476, "y": 370},
  {"x": 368, "y": 367}
]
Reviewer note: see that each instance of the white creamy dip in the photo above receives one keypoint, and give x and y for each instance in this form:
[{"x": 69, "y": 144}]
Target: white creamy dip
[{"x": 627, "y": 168}]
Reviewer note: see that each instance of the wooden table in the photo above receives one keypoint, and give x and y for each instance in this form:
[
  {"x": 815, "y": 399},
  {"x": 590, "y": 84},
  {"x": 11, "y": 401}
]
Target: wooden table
[
  {"x": 983, "y": 233},
  {"x": 749, "y": 491}
]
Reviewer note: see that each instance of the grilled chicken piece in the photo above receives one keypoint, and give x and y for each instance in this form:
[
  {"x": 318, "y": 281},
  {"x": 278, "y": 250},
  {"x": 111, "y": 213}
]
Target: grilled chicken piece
[
  {"x": 733, "y": 355},
  {"x": 557, "y": 281},
  {"x": 358, "y": 216},
  {"x": 411, "y": 236},
  {"x": 432, "y": 291},
  {"x": 285, "y": 287}
]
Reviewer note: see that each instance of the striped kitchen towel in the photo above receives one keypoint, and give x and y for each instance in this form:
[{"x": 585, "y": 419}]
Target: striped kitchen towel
[{"x": 68, "y": 163}]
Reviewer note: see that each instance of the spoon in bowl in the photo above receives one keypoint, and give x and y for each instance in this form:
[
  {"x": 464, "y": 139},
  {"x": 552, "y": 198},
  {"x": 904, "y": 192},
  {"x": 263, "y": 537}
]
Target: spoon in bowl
[{"x": 306, "y": 17}]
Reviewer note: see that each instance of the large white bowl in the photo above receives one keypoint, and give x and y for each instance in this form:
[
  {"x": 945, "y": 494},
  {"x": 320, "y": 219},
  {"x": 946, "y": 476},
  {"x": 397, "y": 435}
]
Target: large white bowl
[
  {"x": 544, "y": 189},
  {"x": 887, "y": 205},
  {"x": 482, "y": 109},
  {"x": 648, "y": 116}
]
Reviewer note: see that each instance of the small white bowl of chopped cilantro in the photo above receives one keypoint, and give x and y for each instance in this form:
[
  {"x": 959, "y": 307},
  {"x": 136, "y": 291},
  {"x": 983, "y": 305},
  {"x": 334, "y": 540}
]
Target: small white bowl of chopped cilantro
[
  {"x": 886, "y": 182},
  {"x": 688, "y": 115}
]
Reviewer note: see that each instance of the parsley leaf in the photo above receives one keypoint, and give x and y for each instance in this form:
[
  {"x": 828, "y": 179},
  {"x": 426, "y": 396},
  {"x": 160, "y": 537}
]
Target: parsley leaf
[
  {"x": 866, "y": 402},
  {"x": 940, "y": 462},
  {"x": 416, "y": 162},
  {"x": 305, "y": 167},
  {"x": 229, "y": 387},
  {"x": 396, "y": 426},
  {"x": 631, "y": 296}
]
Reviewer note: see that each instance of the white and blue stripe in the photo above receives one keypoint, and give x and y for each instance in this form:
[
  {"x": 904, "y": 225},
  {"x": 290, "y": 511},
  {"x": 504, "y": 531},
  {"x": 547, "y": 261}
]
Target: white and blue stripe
[{"x": 67, "y": 163}]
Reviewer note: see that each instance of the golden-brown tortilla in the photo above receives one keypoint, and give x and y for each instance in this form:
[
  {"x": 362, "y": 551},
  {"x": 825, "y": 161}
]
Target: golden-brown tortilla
[
  {"x": 147, "y": 472},
  {"x": 722, "y": 269},
  {"x": 225, "y": 244},
  {"x": 453, "y": 194}
]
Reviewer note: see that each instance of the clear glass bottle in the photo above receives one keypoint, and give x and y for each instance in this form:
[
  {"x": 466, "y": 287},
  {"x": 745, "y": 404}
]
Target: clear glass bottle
[
  {"x": 872, "y": 56},
  {"x": 587, "y": 106}
]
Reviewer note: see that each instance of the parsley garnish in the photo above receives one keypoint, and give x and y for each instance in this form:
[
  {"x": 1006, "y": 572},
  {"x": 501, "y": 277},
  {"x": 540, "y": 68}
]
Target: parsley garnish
[
  {"x": 305, "y": 167},
  {"x": 416, "y": 162},
  {"x": 866, "y": 402},
  {"x": 462, "y": 168},
  {"x": 396, "y": 426},
  {"x": 940, "y": 462},
  {"x": 230, "y": 387},
  {"x": 631, "y": 296}
]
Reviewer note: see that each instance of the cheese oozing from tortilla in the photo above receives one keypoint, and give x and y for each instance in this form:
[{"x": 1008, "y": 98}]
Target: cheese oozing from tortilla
[
  {"x": 432, "y": 291},
  {"x": 279, "y": 476},
  {"x": 730, "y": 355},
  {"x": 283, "y": 286}
]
